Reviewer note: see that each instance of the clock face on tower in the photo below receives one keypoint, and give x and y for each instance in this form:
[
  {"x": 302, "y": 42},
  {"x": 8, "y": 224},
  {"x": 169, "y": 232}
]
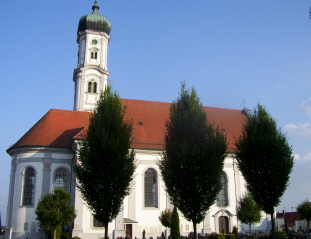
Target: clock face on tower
[{"x": 95, "y": 41}]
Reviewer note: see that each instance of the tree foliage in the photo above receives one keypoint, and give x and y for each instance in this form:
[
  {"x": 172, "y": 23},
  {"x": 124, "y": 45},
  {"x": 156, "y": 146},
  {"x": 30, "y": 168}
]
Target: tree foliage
[
  {"x": 304, "y": 211},
  {"x": 248, "y": 211},
  {"x": 107, "y": 163},
  {"x": 175, "y": 231},
  {"x": 265, "y": 159},
  {"x": 235, "y": 232},
  {"x": 165, "y": 218},
  {"x": 54, "y": 210},
  {"x": 192, "y": 162}
]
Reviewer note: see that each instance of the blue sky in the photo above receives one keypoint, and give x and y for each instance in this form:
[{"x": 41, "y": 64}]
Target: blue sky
[{"x": 235, "y": 52}]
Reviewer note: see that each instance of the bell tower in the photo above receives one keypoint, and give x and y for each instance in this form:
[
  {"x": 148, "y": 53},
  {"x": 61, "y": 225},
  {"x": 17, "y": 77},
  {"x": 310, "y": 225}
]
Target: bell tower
[{"x": 91, "y": 74}]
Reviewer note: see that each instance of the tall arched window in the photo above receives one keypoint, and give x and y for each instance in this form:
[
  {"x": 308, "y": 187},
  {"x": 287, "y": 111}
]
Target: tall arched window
[
  {"x": 61, "y": 178},
  {"x": 29, "y": 186},
  {"x": 222, "y": 199},
  {"x": 92, "y": 87},
  {"x": 151, "y": 188}
]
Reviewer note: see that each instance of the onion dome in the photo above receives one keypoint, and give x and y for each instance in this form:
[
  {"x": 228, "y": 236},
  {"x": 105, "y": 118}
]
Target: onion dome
[{"x": 94, "y": 22}]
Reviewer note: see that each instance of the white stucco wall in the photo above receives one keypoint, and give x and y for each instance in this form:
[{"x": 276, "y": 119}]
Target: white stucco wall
[
  {"x": 21, "y": 219},
  {"x": 48, "y": 160}
]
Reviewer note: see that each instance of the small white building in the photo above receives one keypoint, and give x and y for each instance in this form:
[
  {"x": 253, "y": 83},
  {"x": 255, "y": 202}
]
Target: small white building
[
  {"x": 42, "y": 158},
  {"x": 291, "y": 221}
]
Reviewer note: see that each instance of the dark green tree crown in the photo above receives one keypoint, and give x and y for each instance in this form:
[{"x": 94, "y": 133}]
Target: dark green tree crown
[
  {"x": 107, "y": 161},
  {"x": 192, "y": 161},
  {"x": 304, "y": 211},
  {"x": 264, "y": 158},
  {"x": 248, "y": 211},
  {"x": 55, "y": 209}
]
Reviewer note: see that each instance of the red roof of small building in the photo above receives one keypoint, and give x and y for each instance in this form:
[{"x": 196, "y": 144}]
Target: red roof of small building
[
  {"x": 57, "y": 128},
  {"x": 289, "y": 224},
  {"x": 280, "y": 214},
  {"x": 291, "y": 217}
]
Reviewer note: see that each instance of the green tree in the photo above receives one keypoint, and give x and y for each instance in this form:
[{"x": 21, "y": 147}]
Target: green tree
[
  {"x": 54, "y": 210},
  {"x": 265, "y": 160},
  {"x": 175, "y": 231},
  {"x": 106, "y": 163},
  {"x": 304, "y": 211},
  {"x": 165, "y": 218},
  {"x": 192, "y": 161},
  {"x": 235, "y": 232},
  {"x": 248, "y": 211}
]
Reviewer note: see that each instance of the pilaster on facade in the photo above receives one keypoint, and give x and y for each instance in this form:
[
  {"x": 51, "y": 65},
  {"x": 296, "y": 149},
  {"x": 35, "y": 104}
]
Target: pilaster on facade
[
  {"x": 119, "y": 225},
  {"x": 78, "y": 222},
  {"x": 207, "y": 223},
  {"x": 8, "y": 230}
]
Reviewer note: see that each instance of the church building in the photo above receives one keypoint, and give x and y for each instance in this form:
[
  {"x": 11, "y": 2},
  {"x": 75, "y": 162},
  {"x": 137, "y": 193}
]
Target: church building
[{"x": 42, "y": 157}]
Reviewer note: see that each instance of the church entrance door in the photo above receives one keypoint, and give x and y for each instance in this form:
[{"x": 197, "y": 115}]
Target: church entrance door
[
  {"x": 223, "y": 224},
  {"x": 128, "y": 230}
]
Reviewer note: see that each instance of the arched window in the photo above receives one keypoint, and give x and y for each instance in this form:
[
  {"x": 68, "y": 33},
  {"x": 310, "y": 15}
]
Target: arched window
[
  {"x": 61, "y": 178},
  {"x": 222, "y": 199},
  {"x": 92, "y": 87},
  {"x": 93, "y": 54},
  {"x": 29, "y": 186},
  {"x": 151, "y": 188},
  {"x": 89, "y": 86}
]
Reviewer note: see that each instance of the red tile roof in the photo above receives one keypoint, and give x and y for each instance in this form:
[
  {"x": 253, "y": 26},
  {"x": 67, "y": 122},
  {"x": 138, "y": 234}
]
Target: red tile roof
[
  {"x": 291, "y": 217},
  {"x": 280, "y": 214},
  {"x": 57, "y": 128},
  {"x": 289, "y": 224}
]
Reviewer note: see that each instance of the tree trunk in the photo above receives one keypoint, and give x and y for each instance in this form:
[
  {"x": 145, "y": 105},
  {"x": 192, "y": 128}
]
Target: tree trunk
[
  {"x": 250, "y": 228},
  {"x": 106, "y": 230},
  {"x": 54, "y": 233},
  {"x": 273, "y": 226},
  {"x": 194, "y": 230}
]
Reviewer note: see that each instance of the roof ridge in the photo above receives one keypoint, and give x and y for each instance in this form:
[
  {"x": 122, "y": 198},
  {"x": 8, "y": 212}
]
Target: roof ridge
[
  {"x": 76, "y": 111},
  {"x": 161, "y": 102}
]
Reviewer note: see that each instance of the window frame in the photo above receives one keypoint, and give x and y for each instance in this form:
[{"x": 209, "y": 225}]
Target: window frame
[
  {"x": 94, "y": 53},
  {"x": 92, "y": 86},
  {"x": 96, "y": 223},
  {"x": 29, "y": 186},
  {"x": 223, "y": 192},
  {"x": 66, "y": 174},
  {"x": 154, "y": 193}
]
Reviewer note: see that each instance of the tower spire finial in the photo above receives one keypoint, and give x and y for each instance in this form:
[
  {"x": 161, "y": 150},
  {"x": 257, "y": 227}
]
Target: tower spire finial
[{"x": 95, "y": 7}]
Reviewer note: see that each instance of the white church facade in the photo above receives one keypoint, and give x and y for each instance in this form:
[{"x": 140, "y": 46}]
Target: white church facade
[{"x": 42, "y": 157}]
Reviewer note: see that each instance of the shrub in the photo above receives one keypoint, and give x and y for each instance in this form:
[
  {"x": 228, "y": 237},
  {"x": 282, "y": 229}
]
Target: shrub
[
  {"x": 279, "y": 235},
  {"x": 65, "y": 234},
  {"x": 165, "y": 217},
  {"x": 229, "y": 236},
  {"x": 76, "y": 238},
  {"x": 211, "y": 236},
  {"x": 175, "y": 233},
  {"x": 235, "y": 232},
  {"x": 220, "y": 236}
]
